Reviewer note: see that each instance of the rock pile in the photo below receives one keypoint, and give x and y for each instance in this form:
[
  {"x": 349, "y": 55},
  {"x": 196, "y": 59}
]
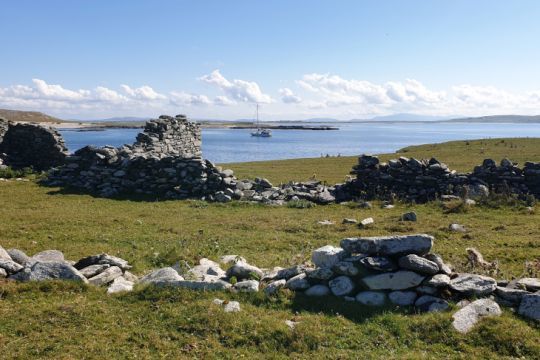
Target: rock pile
[
  {"x": 373, "y": 271},
  {"x": 424, "y": 180},
  {"x": 30, "y": 145}
]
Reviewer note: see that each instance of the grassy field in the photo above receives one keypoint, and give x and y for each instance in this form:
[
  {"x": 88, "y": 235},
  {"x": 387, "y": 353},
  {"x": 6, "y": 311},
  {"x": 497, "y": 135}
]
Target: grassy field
[{"x": 68, "y": 321}]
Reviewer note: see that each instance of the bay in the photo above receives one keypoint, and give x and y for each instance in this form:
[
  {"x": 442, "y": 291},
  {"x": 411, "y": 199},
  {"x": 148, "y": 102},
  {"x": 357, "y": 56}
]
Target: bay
[{"x": 236, "y": 145}]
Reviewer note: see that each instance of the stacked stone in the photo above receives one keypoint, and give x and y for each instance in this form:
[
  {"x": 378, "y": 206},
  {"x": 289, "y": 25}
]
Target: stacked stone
[
  {"x": 164, "y": 162},
  {"x": 30, "y": 145},
  {"x": 168, "y": 136},
  {"x": 531, "y": 172},
  {"x": 409, "y": 179},
  {"x": 507, "y": 177}
]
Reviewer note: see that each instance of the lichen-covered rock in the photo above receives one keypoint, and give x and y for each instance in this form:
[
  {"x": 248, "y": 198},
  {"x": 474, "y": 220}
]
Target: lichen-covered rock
[
  {"x": 371, "y": 298},
  {"x": 341, "y": 286},
  {"x": 10, "y": 266},
  {"x": 428, "y": 303},
  {"x": 93, "y": 270},
  {"x": 161, "y": 276},
  {"x": 419, "y": 264},
  {"x": 399, "y": 280},
  {"x": 345, "y": 268},
  {"x": 438, "y": 281},
  {"x": 247, "y": 286},
  {"x": 4, "y": 254},
  {"x": 513, "y": 296},
  {"x": 472, "y": 284},
  {"x": 389, "y": 245},
  {"x": 48, "y": 256},
  {"x": 466, "y": 317},
  {"x": 320, "y": 273},
  {"x": 243, "y": 271},
  {"x": 378, "y": 263},
  {"x": 298, "y": 282},
  {"x": 437, "y": 259},
  {"x": 106, "y": 277},
  {"x": 51, "y": 271},
  {"x": 531, "y": 284},
  {"x": 273, "y": 287},
  {"x": 19, "y": 256},
  {"x": 327, "y": 256},
  {"x": 120, "y": 284}
]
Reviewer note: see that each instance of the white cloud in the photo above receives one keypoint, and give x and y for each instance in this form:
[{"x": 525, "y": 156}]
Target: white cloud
[
  {"x": 186, "y": 99},
  {"x": 223, "y": 101},
  {"x": 240, "y": 90},
  {"x": 143, "y": 93},
  {"x": 288, "y": 97}
]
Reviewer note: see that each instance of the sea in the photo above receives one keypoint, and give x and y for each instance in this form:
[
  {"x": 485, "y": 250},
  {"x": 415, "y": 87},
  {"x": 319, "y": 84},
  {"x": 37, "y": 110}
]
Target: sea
[{"x": 222, "y": 145}]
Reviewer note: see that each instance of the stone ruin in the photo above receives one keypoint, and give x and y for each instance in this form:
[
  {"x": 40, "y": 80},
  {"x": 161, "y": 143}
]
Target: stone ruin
[
  {"x": 424, "y": 180},
  {"x": 30, "y": 145},
  {"x": 386, "y": 271}
]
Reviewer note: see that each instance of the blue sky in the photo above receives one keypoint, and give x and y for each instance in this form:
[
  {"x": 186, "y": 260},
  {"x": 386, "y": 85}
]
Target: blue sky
[{"x": 299, "y": 59}]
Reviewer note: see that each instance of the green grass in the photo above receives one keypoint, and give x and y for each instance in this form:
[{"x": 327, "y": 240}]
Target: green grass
[{"x": 64, "y": 320}]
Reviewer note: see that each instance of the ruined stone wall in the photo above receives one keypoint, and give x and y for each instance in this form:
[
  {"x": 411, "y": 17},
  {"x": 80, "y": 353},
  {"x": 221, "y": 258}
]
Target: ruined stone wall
[
  {"x": 31, "y": 145},
  {"x": 164, "y": 161},
  {"x": 424, "y": 180}
]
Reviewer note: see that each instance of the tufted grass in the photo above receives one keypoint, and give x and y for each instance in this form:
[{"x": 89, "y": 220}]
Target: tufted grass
[{"x": 65, "y": 321}]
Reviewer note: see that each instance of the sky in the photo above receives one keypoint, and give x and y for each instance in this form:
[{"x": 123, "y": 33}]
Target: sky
[{"x": 344, "y": 59}]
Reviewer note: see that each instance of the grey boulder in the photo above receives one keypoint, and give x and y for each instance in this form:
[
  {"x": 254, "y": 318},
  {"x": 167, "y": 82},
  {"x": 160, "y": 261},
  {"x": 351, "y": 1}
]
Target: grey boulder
[
  {"x": 106, "y": 276},
  {"x": 161, "y": 276},
  {"x": 530, "y": 306},
  {"x": 317, "y": 290},
  {"x": 473, "y": 285},
  {"x": 466, "y": 317},
  {"x": 242, "y": 270},
  {"x": 341, "y": 286},
  {"x": 419, "y": 264},
  {"x": 371, "y": 298},
  {"x": 378, "y": 263},
  {"x": 402, "y": 298},
  {"x": 247, "y": 286},
  {"x": 298, "y": 282},
  {"x": 327, "y": 256},
  {"x": 51, "y": 271}
]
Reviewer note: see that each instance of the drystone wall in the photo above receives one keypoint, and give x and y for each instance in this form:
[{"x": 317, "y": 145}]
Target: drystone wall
[
  {"x": 424, "y": 180},
  {"x": 392, "y": 271},
  {"x": 30, "y": 145}
]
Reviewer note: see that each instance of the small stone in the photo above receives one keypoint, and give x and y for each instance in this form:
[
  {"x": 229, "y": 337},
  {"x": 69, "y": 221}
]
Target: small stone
[
  {"x": 349, "y": 221},
  {"x": 419, "y": 264},
  {"x": 106, "y": 276},
  {"x": 438, "y": 281},
  {"x": 410, "y": 216},
  {"x": 114, "y": 261},
  {"x": 290, "y": 272},
  {"x": 325, "y": 222},
  {"x": 5, "y": 255},
  {"x": 327, "y": 256},
  {"x": 371, "y": 298},
  {"x": 345, "y": 268},
  {"x": 457, "y": 228},
  {"x": 402, "y": 298},
  {"x": 469, "y": 315},
  {"x": 530, "y": 306},
  {"x": 444, "y": 268},
  {"x": 291, "y": 324},
  {"x": 299, "y": 282},
  {"x": 318, "y": 290},
  {"x": 161, "y": 276},
  {"x": 247, "y": 286},
  {"x": 428, "y": 303},
  {"x": 366, "y": 223},
  {"x": 342, "y": 285},
  {"x": 231, "y": 259},
  {"x": 378, "y": 263},
  {"x": 273, "y": 287},
  {"x": 473, "y": 285},
  {"x": 120, "y": 284},
  {"x": 231, "y": 306}
]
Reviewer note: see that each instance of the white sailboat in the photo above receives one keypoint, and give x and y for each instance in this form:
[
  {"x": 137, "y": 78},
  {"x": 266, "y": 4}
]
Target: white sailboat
[{"x": 261, "y": 132}]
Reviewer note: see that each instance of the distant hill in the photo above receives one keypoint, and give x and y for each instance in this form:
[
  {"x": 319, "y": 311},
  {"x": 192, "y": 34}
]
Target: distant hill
[
  {"x": 29, "y": 116},
  {"x": 522, "y": 119},
  {"x": 410, "y": 117}
]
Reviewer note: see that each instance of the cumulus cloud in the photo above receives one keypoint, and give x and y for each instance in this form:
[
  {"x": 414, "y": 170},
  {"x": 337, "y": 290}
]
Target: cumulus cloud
[
  {"x": 288, "y": 97},
  {"x": 143, "y": 93},
  {"x": 186, "y": 99},
  {"x": 223, "y": 101},
  {"x": 239, "y": 90}
]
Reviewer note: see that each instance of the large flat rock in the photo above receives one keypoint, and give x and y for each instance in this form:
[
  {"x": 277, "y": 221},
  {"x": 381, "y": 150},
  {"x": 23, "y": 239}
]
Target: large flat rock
[
  {"x": 399, "y": 280},
  {"x": 389, "y": 245},
  {"x": 473, "y": 285}
]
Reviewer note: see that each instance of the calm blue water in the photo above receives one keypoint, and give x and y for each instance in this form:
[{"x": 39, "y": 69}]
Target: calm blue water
[{"x": 228, "y": 145}]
